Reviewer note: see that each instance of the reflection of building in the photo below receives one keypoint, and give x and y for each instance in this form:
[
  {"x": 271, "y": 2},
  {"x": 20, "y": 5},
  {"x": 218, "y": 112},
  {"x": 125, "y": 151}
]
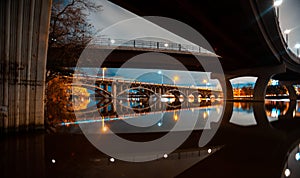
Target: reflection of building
[
  {"x": 297, "y": 112},
  {"x": 243, "y": 92},
  {"x": 276, "y": 108},
  {"x": 297, "y": 88}
]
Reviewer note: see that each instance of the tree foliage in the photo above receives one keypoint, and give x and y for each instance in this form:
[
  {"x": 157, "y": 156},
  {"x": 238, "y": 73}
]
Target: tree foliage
[
  {"x": 70, "y": 30},
  {"x": 276, "y": 90},
  {"x": 59, "y": 105},
  {"x": 63, "y": 99},
  {"x": 68, "y": 25}
]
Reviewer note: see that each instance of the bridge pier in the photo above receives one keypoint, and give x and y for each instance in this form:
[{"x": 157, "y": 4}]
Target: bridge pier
[
  {"x": 24, "y": 29},
  {"x": 114, "y": 95},
  {"x": 226, "y": 84},
  {"x": 263, "y": 76}
]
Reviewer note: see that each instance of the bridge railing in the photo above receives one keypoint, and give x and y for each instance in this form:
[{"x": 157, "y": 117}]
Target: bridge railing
[
  {"x": 160, "y": 45},
  {"x": 132, "y": 81}
]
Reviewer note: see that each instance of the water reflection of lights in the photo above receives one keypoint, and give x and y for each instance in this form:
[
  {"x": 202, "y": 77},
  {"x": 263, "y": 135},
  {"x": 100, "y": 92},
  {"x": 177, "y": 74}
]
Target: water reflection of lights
[
  {"x": 218, "y": 110},
  {"x": 206, "y": 114},
  {"x": 276, "y": 108},
  {"x": 275, "y": 113},
  {"x": 82, "y": 119},
  {"x": 175, "y": 116},
  {"x": 291, "y": 167},
  {"x": 191, "y": 98},
  {"x": 297, "y": 156},
  {"x": 159, "y": 123},
  {"x": 170, "y": 98},
  {"x": 104, "y": 127}
]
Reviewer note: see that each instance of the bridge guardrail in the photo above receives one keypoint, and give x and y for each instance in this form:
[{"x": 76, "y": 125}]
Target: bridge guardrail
[{"x": 162, "y": 45}]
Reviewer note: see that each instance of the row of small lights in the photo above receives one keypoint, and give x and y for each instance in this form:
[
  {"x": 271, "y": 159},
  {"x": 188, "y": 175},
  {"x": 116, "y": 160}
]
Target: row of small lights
[
  {"x": 112, "y": 41},
  {"x": 276, "y": 4},
  {"x": 287, "y": 171},
  {"x": 165, "y": 156}
]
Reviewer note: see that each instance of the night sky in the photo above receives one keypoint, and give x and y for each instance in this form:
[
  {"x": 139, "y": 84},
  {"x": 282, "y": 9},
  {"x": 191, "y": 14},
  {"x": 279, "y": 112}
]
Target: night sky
[{"x": 289, "y": 18}]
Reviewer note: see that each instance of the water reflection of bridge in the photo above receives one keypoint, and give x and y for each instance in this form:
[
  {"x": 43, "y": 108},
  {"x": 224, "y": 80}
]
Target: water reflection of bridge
[
  {"x": 121, "y": 98},
  {"x": 107, "y": 113}
]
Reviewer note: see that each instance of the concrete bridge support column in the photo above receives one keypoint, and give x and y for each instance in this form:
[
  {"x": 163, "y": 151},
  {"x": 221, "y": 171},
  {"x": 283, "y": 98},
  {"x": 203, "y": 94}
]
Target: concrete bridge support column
[
  {"x": 260, "y": 88},
  {"x": 225, "y": 84},
  {"x": 114, "y": 95},
  {"x": 229, "y": 90},
  {"x": 264, "y": 75},
  {"x": 159, "y": 103},
  {"x": 24, "y": 27}
]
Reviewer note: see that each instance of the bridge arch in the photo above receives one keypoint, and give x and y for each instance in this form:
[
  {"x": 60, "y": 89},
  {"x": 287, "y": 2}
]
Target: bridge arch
[
  {"x": 139, "y": 88},
  {"x": 174, "y": 91}
]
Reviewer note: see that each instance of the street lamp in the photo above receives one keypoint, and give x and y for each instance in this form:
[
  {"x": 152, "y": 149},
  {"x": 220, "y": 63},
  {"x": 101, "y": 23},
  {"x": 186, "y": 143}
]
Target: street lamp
[
  {"x": 276, "y": 4},
  {"x": 286, "y": 32},
  {"x": 162, "y": 77},
  {"x": 103, "y": 72},
  {"x": 297, "y": 46},
  {"x": 175, "y": 78},
  {"x": 205, "y": 81}
]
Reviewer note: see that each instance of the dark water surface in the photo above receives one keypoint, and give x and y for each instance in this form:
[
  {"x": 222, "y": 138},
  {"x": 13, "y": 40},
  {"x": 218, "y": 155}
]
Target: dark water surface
[{"x": 253, "y": 139}]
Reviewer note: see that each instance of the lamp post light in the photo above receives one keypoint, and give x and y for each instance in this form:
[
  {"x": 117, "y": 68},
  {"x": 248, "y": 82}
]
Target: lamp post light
[
  {"x": 286, "y": 32},
  {"x": 205, "y": 81},
  {"x": 162, "y": 77},
  {"x": 297, "y": 46},
  {"x": 276, "y": 4},
  {"x": 175, "y": 79},
  {"x": 103, "y": 72}
]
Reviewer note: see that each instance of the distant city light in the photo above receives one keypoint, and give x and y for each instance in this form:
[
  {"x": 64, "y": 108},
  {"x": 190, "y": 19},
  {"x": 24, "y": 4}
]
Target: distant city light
[
  {"x": 297, "y": 156},
  {"x": 274, "y": 82},
  {"x": 165, "y": 156},
  {"x": 287, "y": 31},
  {"x": 209, "y": 151},
  {"x": 287, "y": 173},
  {"x": 159, "y": 124},
  {"x": 277, "y": 3}
]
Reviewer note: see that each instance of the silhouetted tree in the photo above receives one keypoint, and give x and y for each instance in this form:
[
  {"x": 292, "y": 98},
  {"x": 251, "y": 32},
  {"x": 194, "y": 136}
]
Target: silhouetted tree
[
  {"x": 276, "y": 89},
  {"x": 69, "y": 31}
]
